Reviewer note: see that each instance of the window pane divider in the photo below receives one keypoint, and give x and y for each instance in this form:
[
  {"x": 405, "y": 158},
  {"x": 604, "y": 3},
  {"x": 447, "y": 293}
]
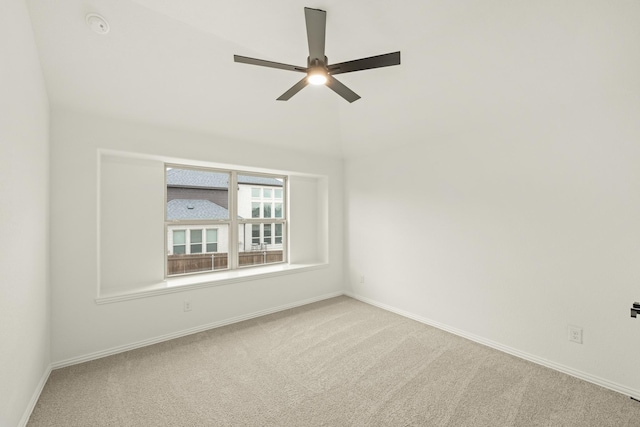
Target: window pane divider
[
  {"x": 198, "y": 222},
  {"x": 262, "y": 221},
  {"x": 232, "y": 262}
]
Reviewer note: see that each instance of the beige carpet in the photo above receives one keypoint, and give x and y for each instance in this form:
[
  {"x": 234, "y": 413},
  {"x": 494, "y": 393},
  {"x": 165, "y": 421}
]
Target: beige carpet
[{"x": 338, "y": 362}]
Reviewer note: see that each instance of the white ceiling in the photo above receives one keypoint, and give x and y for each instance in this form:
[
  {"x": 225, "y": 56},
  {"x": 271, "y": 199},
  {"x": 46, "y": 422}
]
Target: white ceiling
[{"x": 468, "y": 66}]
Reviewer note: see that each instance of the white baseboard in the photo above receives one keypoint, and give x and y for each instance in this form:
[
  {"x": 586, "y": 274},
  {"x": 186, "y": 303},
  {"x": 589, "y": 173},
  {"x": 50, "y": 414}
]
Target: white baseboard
[
  {"x": 167, "y": 337},
  {"x": 34, "y": 398},
  {"x": 514, "y": 352}
]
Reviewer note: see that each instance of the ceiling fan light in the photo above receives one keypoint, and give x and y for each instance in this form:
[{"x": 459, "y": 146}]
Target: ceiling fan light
[{"x": 317, "y": 78}]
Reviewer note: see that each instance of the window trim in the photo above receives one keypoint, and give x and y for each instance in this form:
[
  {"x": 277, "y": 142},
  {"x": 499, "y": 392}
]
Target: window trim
[
  {"x": 222, "y": 278},
  {"x": 234, "y": 221}
]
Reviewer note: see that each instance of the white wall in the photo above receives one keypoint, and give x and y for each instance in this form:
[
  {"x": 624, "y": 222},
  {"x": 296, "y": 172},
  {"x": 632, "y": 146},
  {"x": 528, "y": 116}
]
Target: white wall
[
  {"x": 512, "y": 236},
  {"x": 301, "y": 215},
  {"x": 24, "y": 210},
  {"x": 80, "y": 326},
  {"x": 131, "y": 214}
]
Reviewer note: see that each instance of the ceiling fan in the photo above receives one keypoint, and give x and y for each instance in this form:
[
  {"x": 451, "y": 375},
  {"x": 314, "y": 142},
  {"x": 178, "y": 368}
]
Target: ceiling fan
[{"x": 318, "y": 70}]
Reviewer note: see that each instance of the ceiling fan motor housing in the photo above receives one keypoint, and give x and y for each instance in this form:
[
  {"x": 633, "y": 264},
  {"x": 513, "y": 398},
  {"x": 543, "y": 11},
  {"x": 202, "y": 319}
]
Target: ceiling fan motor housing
[{"x": 315, "y": 62}]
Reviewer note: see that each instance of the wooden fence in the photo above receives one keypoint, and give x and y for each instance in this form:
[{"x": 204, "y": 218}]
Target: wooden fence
[{"x": 181, "y": 264}]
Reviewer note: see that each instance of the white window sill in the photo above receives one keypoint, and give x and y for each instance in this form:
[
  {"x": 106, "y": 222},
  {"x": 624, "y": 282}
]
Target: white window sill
[{"x": 196, "y": 281}]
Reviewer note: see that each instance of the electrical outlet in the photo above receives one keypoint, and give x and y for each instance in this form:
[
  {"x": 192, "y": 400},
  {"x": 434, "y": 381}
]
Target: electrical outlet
[
  {"x": 187, "y": 306},
  {"x": 361, "y": 279},
  {"x": 575, "y": 334}
]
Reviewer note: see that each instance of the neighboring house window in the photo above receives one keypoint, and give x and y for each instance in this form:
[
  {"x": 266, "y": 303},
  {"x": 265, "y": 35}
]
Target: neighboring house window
[
  {"x": 179, "y": 242},
  {"x": 278, "y": 234},
  {"x": 267, "y": 204},
  {"x": 212, "y": 240},
  {"x": 266, "y": 235},
  {"x": 196, "y": 241},
  {"x": 203, "y": 210},
  {"x": 255, "y": 234},
  {"x": 190, "y": 241}
]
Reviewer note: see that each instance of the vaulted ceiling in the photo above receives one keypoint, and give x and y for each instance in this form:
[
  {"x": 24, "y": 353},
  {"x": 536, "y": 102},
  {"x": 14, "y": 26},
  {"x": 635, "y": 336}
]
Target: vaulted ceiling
[{"x": 468, "y": 66}]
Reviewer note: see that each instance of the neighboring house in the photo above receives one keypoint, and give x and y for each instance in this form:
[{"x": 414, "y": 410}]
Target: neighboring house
[
  {"x": 198, "y": 185},
  {"x": 202, "y": 195},
  {"x": 192, "y": 239}
]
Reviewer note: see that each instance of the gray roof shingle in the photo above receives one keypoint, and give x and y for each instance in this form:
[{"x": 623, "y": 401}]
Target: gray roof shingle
[
  {"x": 259, "y": 180},
  {"x": 181, "y": 209},
  {"x": 194, "y": 178},
  {"x": 206, "y": 179}
]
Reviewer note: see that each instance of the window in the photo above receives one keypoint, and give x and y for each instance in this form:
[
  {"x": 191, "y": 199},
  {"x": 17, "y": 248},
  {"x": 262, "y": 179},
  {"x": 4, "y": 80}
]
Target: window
[
  {"x": 212, "y": 240},
  {"x": 203, "y": 209},
  {"x": 179, "y": 242},
  {"x": 255, "y": 234},
  {"x": 278, "y": 233},
  {"x": 196, "y": 241},
  {"x": 266, "y": 235}
]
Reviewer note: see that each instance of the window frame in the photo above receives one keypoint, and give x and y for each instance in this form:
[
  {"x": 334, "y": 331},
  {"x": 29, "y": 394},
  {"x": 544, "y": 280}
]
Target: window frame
[{"x": 233, "y": 222}]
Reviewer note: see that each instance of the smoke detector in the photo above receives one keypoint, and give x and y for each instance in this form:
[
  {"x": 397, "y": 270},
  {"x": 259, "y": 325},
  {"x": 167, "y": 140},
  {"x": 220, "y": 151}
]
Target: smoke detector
[{"x": 97, "y": 23}]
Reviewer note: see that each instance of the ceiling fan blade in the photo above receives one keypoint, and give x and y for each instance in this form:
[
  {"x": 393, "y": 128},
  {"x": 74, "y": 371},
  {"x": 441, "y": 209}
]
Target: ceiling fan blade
[
  {"x": 341, "y": 89},
  {"x": 316, "y": 26},
  {"x": 378, "y": 61},
  {"x": 294, "y": 89},
  {"x": 270, "y": 64}
]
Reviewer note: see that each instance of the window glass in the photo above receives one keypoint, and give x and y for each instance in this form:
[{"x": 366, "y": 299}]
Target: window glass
[
  {"x": 196, "y": 241},
  {"x": 195, "y": 194},
  {"x": 179, "y": 237},
  {"x": 278, "y": 234},
  {"x": 179, "y": 242},
  {"x": 261, "y": 242},
  {"x": 267, "y": 234},
  {"x": 179, "y": 245},
  {"x": 212, "y": 240},
  {"x": 255, "y": 234},
  {"x": 255, "y": 210},
  {"x": 190, "y": 256},
  {"x": 198, "y": 219}
]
